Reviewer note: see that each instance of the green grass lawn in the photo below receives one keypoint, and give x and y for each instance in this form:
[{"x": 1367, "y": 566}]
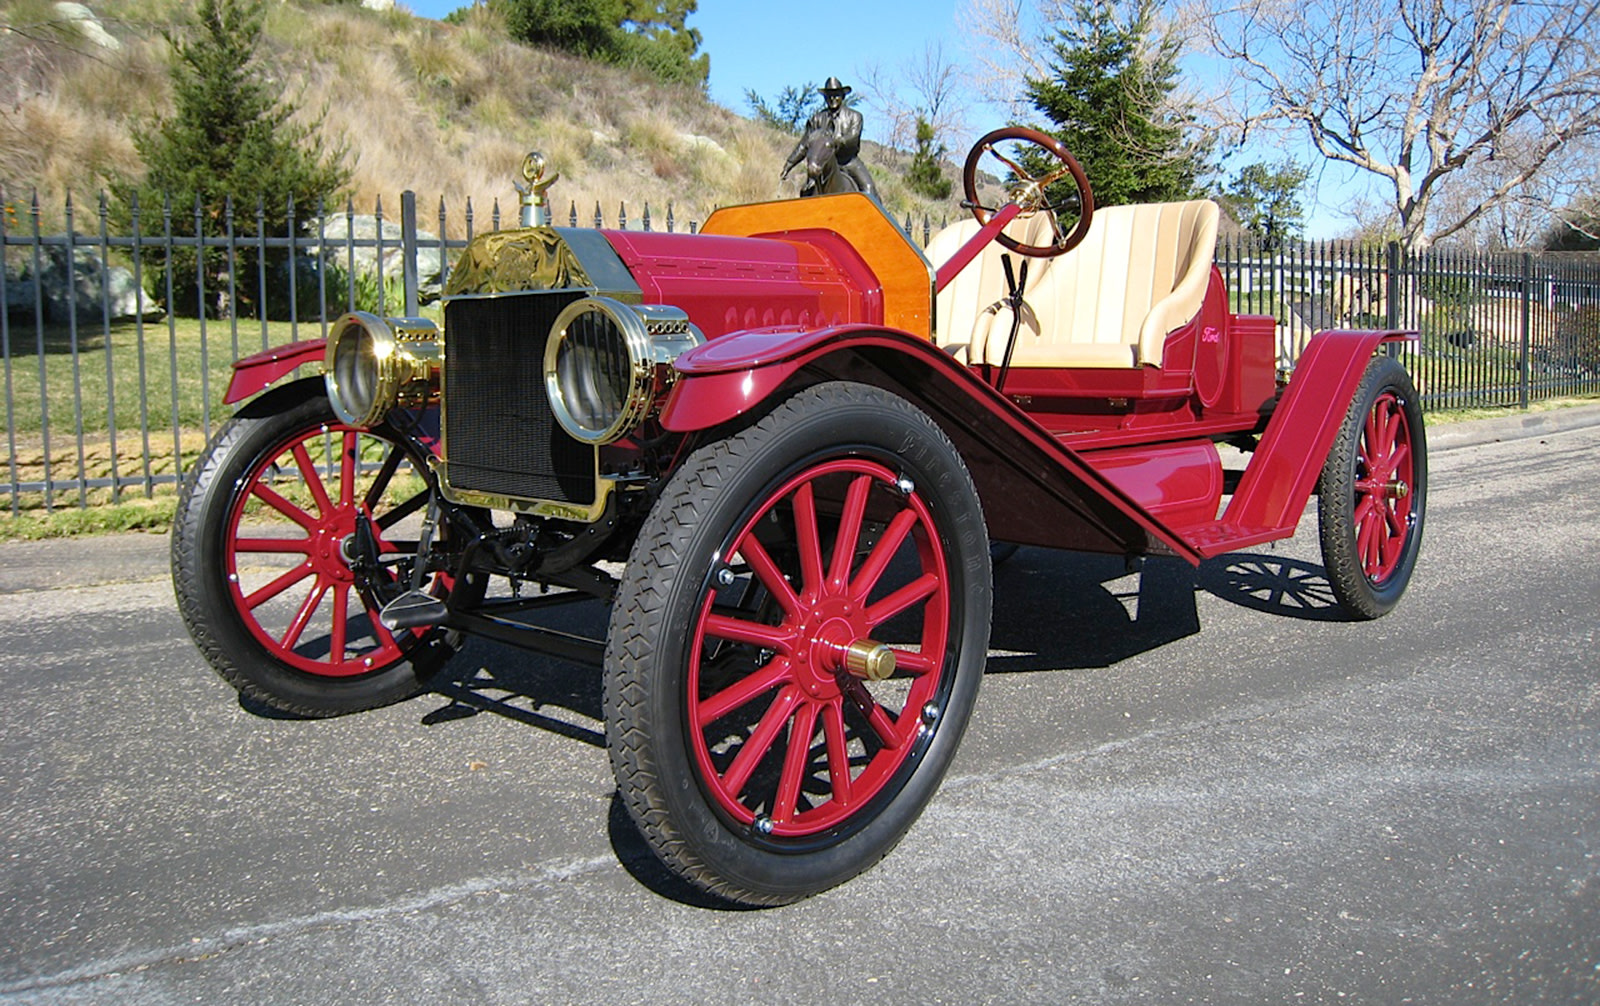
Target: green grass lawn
[{"x": 161, "y": 374}]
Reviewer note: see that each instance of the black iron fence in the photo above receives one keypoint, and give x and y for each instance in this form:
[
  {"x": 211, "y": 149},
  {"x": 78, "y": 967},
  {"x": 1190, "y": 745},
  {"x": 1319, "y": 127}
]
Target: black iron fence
[
  {"x": 1496, "y": 328},
  {"x": 119, "y": 328}
]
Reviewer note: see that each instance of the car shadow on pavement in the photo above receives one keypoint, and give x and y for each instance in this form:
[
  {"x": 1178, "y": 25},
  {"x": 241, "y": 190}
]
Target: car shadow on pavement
[
  {"x": 1277, "y": 585},
  {"x": 1057, "y": 610},
  {"x": 1053, "y": 610},
  {"x": 533, "y": 689}
]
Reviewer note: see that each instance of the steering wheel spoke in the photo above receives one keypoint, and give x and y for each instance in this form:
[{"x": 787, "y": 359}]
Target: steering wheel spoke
[
  {"x": 1054, "y": 176},
  {"x": 1016, "y": 168}
]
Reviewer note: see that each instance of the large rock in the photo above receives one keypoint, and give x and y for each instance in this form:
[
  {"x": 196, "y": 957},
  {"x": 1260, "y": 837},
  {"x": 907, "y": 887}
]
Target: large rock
[
  {"x": 90, "y": 288},
  {"x": 364, "y": 228},
  {"x": 20, "y": 295},
  {"x": 89, "y": 25}
]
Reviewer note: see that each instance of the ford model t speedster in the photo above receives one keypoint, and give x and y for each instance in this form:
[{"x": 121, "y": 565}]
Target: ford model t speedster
[{"x": 781, "y": 450}]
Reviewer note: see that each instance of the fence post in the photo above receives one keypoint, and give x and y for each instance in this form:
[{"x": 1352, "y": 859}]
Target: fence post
[
  {"x": 1391, "y": 292},
  {"x": 1525, "y": 371},
  {"x": 408, "y": 250}
]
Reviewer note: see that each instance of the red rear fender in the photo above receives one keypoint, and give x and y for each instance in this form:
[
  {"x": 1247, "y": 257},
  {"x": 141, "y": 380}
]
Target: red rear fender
[{"x": 1278, "y": 481}]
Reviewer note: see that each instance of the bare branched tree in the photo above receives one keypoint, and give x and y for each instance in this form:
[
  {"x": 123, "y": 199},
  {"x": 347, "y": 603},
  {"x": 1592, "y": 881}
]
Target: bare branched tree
[
  {"x": 927, "y": 85},
  {"x": 1007, "y": 43},
  {"x": 1465, "y": 108}
]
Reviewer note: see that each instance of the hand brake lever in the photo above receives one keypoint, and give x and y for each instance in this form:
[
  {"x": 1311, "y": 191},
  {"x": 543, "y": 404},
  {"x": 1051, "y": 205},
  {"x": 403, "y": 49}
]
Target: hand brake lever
[{"x": 1015, "y": 284}]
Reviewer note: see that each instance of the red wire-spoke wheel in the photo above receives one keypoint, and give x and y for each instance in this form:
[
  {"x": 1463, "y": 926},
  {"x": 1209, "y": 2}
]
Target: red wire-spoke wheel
[
  {"x": 797, "y": 644},
  {"x": 1060, "y": 190},
  {"x": 285, "y": 549},
  {"x": 1373, "y": 493}
]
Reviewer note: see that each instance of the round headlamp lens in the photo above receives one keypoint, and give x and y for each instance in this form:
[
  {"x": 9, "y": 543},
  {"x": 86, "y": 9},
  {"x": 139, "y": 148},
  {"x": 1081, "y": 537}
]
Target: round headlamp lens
[
  {"x": 354, "y": 377},
  {"x": 357, "y": 366},
  {"x": 597, "y": 370},
  {"x": 593, "y": 373}
]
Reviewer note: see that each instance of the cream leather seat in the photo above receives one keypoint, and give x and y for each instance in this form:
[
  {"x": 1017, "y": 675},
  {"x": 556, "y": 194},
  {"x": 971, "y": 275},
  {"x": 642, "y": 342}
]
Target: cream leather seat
[{"x": 1142, "y": 272}]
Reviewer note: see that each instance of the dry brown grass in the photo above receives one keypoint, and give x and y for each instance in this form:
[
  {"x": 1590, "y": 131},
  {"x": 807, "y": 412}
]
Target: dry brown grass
[{"x": 443, "y": 110}]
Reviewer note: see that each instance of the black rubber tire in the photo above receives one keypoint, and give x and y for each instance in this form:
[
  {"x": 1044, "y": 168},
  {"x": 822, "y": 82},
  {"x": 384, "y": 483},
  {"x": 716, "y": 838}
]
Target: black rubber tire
[
  {"x": 1361, "y": 595},
  {"x": 199, "y": 563},
  {"x": 717, "y": 491}
]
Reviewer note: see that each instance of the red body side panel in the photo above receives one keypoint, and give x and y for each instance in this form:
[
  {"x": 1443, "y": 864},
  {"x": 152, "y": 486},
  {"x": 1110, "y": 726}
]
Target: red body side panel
[
  {"x": 259, "y": 372},
  {"x": 1180, "y": 483},
  {"x": 729, "y": 284},
  {"x": 1251, "y": 364},
  {"x": 1034, "y": 489}
]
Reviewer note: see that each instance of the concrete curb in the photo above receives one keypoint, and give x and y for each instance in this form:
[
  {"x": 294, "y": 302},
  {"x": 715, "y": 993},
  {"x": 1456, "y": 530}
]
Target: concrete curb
[
  {"x": 62, "y": 563},
  {"x": 1473, "y": 432}
]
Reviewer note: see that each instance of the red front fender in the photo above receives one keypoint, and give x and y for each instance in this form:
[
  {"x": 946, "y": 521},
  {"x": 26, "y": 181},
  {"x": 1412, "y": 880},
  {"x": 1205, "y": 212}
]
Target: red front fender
[
  {"x": 259, "y": 372},
  {"x": 727, "y": 377}
]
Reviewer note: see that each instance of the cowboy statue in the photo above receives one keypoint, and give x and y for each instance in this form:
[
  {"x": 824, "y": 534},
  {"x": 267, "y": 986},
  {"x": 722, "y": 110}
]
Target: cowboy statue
[{"x": 830, "y": 146}]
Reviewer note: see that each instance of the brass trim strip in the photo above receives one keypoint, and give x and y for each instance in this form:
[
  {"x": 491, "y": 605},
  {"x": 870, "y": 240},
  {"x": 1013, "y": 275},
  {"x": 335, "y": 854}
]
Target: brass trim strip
[{"x": 555, "y": 509}]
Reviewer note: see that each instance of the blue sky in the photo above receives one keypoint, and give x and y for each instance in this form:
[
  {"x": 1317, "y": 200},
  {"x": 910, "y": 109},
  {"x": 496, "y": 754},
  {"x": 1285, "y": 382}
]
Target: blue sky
[{"x": 766, "y": 46}]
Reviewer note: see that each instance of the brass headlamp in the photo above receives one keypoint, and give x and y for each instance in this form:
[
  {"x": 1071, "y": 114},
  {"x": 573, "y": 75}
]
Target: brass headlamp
[
  {"x": 607, "y": 362},
  {"x": 374, "y": 364}
]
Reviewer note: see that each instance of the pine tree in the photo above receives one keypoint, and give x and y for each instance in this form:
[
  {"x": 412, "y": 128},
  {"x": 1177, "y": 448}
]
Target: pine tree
[
  {"x": 924, "y": 175},
  {"x": 1265, "y": 200},
  {"x": 788, "y": 110},
  {"x": 229, "y": 138},
  {"x": 668, "y": 44},
  {"x": 1109, "y": 94}
]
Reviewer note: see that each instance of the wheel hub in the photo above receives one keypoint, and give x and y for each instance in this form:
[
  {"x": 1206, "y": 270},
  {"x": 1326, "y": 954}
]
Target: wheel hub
[
  {"x": 833, "y": 639},
  {"x": 332, "y": 544}
]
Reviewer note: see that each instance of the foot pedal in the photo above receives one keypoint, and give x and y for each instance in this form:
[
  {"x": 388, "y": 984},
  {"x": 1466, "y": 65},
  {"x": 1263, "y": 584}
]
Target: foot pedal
[{"x": 412, "y": 610}]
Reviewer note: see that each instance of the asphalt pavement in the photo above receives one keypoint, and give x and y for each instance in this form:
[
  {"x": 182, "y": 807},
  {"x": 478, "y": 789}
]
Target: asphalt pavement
[{"x": 1179, "y": 786}]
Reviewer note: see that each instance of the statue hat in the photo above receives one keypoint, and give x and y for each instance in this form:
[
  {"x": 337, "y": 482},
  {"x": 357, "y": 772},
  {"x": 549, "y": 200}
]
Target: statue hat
[{"x": 834, "y": 87}]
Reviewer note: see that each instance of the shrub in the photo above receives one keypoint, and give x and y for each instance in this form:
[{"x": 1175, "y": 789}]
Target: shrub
[
  {"x": 1578, "y": 338},
  {"x": 924, "y": 176}
]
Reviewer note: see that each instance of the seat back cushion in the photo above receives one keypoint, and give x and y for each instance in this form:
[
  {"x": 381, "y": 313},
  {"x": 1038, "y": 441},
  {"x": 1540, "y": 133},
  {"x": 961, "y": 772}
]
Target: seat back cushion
[{"x": 1141, "y": 272}]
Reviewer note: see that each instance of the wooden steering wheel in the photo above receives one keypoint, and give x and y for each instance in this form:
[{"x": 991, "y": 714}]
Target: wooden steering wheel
[{"x": 1031, "y": 193}]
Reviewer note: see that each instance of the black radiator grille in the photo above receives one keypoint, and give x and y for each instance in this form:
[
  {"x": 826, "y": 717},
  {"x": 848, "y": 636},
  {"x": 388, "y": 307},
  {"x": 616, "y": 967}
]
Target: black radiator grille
[{"x": 500, "y": 436}]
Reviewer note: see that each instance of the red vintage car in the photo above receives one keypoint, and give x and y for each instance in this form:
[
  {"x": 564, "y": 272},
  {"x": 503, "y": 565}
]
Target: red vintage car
[{"x": 781, "y": 450}]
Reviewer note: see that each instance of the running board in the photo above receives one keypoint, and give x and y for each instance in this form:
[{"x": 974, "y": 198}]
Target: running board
[{"x": 1216, "y": 538}]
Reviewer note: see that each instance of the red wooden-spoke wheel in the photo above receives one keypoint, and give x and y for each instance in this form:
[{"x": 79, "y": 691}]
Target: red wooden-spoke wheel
[
  {"x": 1373, "y": 493},
  {"x": 1383, "y": 488},
  {"x": 292, "y": 537},
  {"x": 287, "y": 543},
  {"x": 790, "y": 740},
  {"x": 797, "y": 643}
]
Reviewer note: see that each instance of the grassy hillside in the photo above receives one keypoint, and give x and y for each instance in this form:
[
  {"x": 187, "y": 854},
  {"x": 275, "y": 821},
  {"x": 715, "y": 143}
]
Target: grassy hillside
[{"x": 444, "y": 110}]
